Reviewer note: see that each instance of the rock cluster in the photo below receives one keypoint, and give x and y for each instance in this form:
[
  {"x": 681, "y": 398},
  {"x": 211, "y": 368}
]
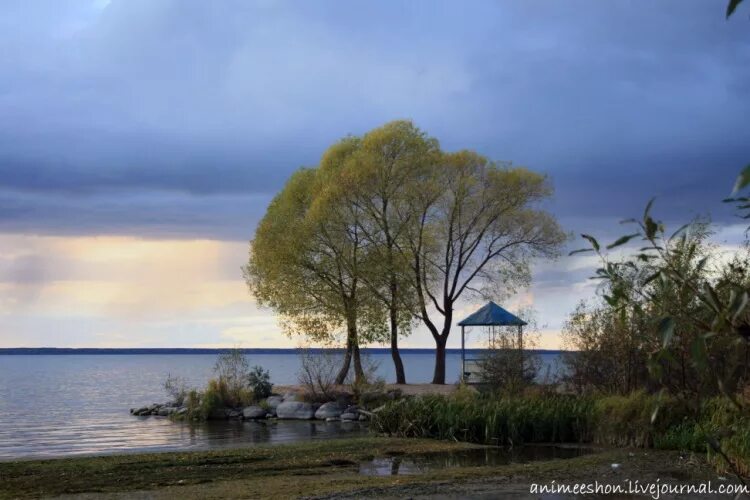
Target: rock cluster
[{"x": 287, "y": 407}]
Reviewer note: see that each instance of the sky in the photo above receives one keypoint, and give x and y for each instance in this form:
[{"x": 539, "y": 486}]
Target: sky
[{"x": 141, "y": 140}]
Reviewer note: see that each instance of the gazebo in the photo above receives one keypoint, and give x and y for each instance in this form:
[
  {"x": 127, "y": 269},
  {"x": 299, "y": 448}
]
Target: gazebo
[{"x": 490, "y": 315}]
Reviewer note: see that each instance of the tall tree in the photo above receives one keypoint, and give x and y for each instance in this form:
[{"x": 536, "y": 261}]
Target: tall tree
[
  {"x": 475, "y": 227},
  {"x": 377, "y": 180},
  {"x": 307, "y": 258}
]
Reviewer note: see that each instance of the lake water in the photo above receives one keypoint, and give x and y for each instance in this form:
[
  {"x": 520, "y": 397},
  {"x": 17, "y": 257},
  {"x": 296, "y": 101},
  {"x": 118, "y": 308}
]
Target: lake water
[{"x": 59, "y": 405}]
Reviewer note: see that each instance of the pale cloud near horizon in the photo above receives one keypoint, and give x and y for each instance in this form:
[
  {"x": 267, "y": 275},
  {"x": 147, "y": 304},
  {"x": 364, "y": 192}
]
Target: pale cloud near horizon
[{"x": 115, "y": 291}]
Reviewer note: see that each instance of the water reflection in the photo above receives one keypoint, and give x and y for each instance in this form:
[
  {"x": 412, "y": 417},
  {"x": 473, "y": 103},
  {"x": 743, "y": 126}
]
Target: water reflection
[
  {"x": 476, "y": 457},
  {"x": 161, "y": 434}
]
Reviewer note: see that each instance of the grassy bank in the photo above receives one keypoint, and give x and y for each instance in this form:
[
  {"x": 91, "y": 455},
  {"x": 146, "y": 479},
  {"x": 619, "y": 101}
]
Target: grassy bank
[
  {"x": 606, "y": 420},
  {"x": 324, "y": 468}
]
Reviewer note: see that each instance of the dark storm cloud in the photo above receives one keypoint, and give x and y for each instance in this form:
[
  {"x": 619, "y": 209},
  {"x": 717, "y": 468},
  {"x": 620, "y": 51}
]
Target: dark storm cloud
[{"x": 176, "y": 117}]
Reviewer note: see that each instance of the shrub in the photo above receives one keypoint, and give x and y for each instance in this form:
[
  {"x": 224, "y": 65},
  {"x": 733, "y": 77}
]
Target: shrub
[
  {"x": 176, "y": 388},
  {"x": 232, "y": 370},
  {"x": 214, "y": 397},
  {"x": 259, "y": 381},
  {"x": 317, "y": 375},
  {"x": 193, "y": 404},
  {"x": 504, "y": 369}
]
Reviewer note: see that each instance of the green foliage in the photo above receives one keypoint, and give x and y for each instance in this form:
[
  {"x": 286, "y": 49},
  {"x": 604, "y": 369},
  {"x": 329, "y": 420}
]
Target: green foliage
[
  {"x": 607, "y": 353},
  {"x": 505, "y": 368},
  {"x": 260, "y": 384},
  {"x": 213, "y": 398},
  {"x": 234, "y": 386},
  {"x": 477, "y": 235},
  {"x": 499, "y": 421},
  {"x": 608, "y": 420},
  {"x": 387, "y": 227},
  {"x": 193, "y": 404},
  {"x": 676, "y": 307},
  {"x": 233, "y": 371},
  {"x": 630, "y": 421}
]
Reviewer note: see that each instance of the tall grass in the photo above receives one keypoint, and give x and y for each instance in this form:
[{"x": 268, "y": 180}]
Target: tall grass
[
  {"x": 488, "y": 420},
  {"x": 608, "y": 420}
]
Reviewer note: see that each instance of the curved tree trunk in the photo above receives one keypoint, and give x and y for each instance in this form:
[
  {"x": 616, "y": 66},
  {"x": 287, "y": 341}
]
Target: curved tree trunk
[
  {"x": 344, "y": 371},
  {"x": 439, "y": 375},
  {"x": 397, "y": 362},
  {"x": 359, "y": 373},
  {"x": 440, "y": 341},
  {"x": 352, "y": 351}
]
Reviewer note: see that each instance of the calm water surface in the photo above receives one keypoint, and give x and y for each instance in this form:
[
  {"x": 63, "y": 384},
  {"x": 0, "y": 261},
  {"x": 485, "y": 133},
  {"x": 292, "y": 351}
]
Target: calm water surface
[
  {"x": 477, "y": 457},
  {"x": 59, "y": 405}
]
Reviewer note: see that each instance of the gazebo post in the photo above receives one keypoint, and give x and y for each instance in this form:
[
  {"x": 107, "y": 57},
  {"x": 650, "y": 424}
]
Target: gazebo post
[
  {"x": 520, "y": 337},
  {"x": 520, "y": 349},
  {"x": 463, "y": 355}
]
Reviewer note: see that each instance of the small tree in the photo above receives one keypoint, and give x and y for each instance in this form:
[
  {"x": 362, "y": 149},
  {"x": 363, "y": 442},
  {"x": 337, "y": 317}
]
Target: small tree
[
  {"x": 259, "y": 381},
  {"x": 308, "y": 259}
]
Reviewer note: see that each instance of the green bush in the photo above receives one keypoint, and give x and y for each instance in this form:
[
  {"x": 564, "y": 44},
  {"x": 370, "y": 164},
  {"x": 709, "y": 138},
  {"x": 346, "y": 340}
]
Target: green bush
[
  {"x": 627, "y": 420},
  {"x": 213, "y": 397},
  {"x": 260, "y": 384}
]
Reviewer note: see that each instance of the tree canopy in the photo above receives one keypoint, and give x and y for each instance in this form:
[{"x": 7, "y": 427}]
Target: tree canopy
[{"x": 389, "y": 228}]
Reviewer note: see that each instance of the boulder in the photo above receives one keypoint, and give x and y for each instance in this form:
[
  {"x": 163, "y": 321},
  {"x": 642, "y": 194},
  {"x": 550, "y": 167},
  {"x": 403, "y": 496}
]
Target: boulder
[
  {"x": 349, "y": 416},
  {"x": 163, "y": 411},
  {"x": 329, "y": 410},
  {"x": 141, "y": 411},
  {"x": 298, "y": 410},
  {"x": 274, "y": 401},
  {"x": 253, "y": 412},
  {"x": 333, "y": 419},
  {"x": 234, "y": 414}
]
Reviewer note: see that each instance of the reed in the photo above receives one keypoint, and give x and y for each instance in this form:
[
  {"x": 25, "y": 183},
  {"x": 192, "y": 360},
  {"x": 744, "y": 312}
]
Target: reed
[{"x": 605, "y": 420}]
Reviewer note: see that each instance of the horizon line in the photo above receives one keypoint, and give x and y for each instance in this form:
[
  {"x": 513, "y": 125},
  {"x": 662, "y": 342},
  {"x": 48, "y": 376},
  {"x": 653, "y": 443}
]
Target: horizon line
[{"x": 215, "y": 350}]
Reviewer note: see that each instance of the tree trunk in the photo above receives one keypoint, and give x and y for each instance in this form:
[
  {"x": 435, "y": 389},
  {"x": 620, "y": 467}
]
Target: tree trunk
[
  {"x": 344, "y": 371},
  {"x": 439, "y": 376},
  {"x": 359, "y": 373},
  {"x": 400, "y": 374},
  {"x": 352, "y": 349}
]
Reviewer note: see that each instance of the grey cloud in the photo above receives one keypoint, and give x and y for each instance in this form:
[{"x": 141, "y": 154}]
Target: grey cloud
[{"x": 182, "y": 117}]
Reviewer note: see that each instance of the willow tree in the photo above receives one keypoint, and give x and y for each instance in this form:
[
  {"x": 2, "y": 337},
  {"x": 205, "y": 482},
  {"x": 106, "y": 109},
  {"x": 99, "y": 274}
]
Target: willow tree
[
  {"x": 307, "y": 258},
  {"x": 476, "y": 226},
  {"x": 379, "y": 179}
]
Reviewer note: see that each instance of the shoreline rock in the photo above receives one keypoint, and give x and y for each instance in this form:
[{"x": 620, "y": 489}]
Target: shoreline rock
[
  {"x": 295, "y": 410},
  {"x": 332, "y": 409},
  {"x": 254, "y": 412}
]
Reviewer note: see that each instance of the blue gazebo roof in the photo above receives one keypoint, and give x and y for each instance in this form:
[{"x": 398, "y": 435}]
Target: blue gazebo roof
[{"x": 492, "y": 315}]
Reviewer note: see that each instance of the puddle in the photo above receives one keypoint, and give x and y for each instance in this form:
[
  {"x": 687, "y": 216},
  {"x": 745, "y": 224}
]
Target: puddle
[{"x": 476, "y": 457}]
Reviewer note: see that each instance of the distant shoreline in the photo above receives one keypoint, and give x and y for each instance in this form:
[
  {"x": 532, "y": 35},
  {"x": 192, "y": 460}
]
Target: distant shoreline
[{"x": 7, "y": 351}]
